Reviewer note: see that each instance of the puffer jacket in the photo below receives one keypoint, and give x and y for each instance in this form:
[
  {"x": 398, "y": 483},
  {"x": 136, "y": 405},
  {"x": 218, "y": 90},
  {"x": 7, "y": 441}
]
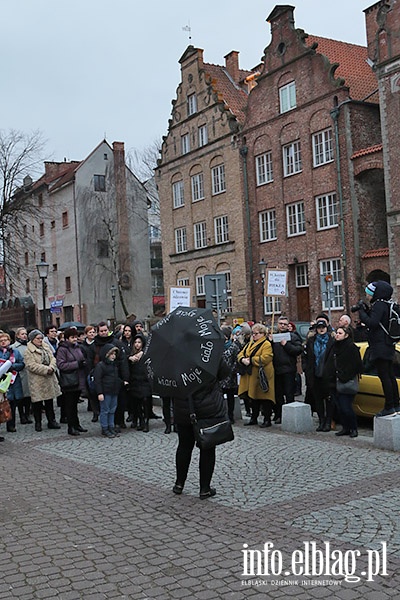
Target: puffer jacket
[
  {"x": 250, "y": 383},
  {"x": 106, "y": 377},
  {"x": 379, "y": 342},
  {"x": 68, "y": 357},
  {"x": 42, "y": 384}
]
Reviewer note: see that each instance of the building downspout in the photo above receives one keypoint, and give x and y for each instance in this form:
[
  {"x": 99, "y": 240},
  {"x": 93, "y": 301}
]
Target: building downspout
[
  {"x": 77, "y": 256},
  {"x": 243, "y": 153},
  {"x": 335, "y": 117}
]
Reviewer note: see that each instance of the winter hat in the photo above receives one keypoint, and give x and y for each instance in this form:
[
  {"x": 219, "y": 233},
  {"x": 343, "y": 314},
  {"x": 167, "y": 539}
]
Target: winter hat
[
  {"x": 370, "y": 289},
  {"x": 34, "y": 333},
  {"x": 245, "y": 329},
  {"x": 69, "y": 332},
  {"x": 236, "y": 329},
  {"x": 226, "y": 331},
  {"x": 322, "y": 316}
]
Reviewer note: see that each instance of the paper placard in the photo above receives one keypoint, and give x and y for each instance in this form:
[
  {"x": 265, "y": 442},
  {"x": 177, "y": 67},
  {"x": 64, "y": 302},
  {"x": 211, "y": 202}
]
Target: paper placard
[
  {"x": 179, "y": 296},
  {"x": 278, "y": 337}
]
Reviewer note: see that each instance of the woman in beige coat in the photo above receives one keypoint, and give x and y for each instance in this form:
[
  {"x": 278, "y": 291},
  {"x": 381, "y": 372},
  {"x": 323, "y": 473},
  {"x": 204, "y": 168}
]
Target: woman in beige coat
[
  {"x": 256, "y": 353},
  {"x": 41, "y": 367}
]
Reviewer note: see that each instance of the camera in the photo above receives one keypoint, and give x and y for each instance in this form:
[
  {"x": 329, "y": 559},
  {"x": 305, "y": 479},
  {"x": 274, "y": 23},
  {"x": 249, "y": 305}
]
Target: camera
[{"x": 356, "y": 307}]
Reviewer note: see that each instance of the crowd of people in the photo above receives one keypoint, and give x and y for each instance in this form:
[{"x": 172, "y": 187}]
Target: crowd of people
[{"x": 108, "y": 369}]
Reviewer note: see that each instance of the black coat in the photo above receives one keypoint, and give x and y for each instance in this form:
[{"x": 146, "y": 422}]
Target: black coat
[
  {"x": 309, "y": 365},
  {"x": 106, "y": 376},
  {"x": 343, "y": 361},
  {"x": 285, "y": 357},
  {"x": 139, "y": 385},
  {"x": 93, "y": 354},
  {"x": 381, "y": 346}
]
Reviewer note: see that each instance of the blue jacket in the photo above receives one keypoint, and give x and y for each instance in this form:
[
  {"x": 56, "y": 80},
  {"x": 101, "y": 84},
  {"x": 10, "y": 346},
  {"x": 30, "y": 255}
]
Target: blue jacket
[{"x": 14, "y": 392}]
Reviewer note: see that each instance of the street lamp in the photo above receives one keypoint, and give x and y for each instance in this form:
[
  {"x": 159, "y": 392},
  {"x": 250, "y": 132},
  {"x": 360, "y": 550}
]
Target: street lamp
[
  {"x": 113, "y": 293},
  {"x": 43, "y": 271},
  {"x": 262, "y": 266}
]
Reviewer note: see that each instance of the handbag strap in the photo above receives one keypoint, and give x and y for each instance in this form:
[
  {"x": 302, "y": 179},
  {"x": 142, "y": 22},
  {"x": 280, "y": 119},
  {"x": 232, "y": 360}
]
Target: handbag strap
[{"x": 192, "y": 413}]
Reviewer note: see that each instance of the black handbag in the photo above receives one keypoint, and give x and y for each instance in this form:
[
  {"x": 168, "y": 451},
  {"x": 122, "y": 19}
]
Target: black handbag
[
  {"x": 264, "y": 385},
  {"x": 210, "y": 432},
  {"x": 349, "y": 387},
  {"x": 69, "y": 380}
]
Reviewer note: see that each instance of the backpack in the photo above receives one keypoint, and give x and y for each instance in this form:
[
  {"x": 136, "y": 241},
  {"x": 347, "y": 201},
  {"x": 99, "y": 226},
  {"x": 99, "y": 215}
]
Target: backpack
[{"x": 393, "y": 330}]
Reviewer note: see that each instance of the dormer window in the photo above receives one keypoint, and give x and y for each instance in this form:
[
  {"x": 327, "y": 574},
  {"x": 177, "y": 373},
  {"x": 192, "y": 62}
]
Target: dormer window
[
  {"x": 191, "y": 104},
  {"x": 287, "y": 97}
]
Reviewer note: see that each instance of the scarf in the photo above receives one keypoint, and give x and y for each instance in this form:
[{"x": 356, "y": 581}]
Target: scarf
[
  {"x": 320, "y": 343},
  {"x": 45, "y": 357}
]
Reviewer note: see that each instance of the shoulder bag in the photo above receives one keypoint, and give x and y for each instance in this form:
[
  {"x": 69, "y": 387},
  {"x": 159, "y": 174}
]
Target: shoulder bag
[
  {"x": 210, "y": 432},
  {"x": 264, "y": 385},
  {"x": 349, "y": 387},
  {"x": 5, "y": 410}
]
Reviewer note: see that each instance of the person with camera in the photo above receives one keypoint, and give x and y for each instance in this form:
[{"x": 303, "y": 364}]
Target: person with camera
[{"x": 381, "y": 346}]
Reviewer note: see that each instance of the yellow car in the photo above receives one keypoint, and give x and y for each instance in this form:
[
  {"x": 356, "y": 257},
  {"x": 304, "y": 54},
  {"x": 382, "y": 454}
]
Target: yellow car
[{"x": 370, "y": 399}]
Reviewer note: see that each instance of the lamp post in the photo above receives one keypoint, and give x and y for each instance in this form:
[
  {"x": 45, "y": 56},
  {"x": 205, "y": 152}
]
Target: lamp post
[
  {"x": 43, "y": 271},
  {"x": 113, "y": 293},
  {"x": 262, "y": 266}
]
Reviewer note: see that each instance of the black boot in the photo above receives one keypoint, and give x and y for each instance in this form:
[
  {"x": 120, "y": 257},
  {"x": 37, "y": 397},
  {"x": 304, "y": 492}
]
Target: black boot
[{"x": 146, "y": 426}]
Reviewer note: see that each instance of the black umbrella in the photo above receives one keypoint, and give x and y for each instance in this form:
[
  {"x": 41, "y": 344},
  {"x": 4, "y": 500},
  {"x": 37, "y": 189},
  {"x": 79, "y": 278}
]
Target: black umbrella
[
  {"x": 183, "y": 352},
  {"x": 69, "y": 324}
]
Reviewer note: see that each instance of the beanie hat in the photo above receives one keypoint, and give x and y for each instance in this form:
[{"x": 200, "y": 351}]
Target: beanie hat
[
  {"x": 322, "y": 316},
  {"x": 69, "y": 332},
  {"x": 370, "y": 289},
  {"x": 236, "y": 329},
  {"x": 34, "y": 333}
]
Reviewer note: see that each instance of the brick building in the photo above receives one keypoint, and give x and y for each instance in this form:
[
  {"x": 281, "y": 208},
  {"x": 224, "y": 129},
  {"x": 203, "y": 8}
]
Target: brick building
[
  {"x": 312, "y": 134},
  {"x": 383, "y": 38},
  {"x": 199, "y": 181}
]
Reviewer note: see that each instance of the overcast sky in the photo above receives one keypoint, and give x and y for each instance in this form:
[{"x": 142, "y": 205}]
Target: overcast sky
[{"x": 80, "y": 70}]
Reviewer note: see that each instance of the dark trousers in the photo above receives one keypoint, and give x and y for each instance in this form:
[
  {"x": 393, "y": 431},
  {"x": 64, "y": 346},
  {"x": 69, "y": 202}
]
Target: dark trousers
[
  {"x": 388, "y": 380},
  {"x": 119, "y": 416},
  {"x": 167, "y": 410},
  {"x": 348, "y": 418},
  {"x": 93, "y": 402},
  {"x": 230, "y": 398},
  {"x": 71, "y": 399},
  {"x": 11, "y": 422},
  {"x": 285, "y": 387},
  {"x": 24, "y": 407},
  {"x": 37, "y": 408},
  {"x": 266, "y": 407},
  {"x": 184, "y": 455}
]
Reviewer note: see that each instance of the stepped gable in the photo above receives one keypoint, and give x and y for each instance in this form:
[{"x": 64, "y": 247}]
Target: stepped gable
[
  {"x": 353, "y": 68},
  {"x": 229, "y": 92}
]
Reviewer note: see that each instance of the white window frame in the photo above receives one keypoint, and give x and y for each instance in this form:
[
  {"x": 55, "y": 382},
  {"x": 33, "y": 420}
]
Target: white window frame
[
  {"x": 185, "y": 143},
  {"x": 322, "y": 144},
  {"x": 333, "y": 266},
  {"x": 264, "y": 173},
  {"x": 183, "y": 281},
  {"x": 301, "y": 274},
  {"x": 200, "y": 235},
  {"x": 296, "y": 219},
  {"x": 272, "y": 305},
  {"x": 287, "y": 97},
  {"x": 327, "y": 209},
  {"x": 202, "y": 135},
  {"x": 191, "y": 104},
  {"x": 180, "y": 240},
  {"x": 218, "y": 179},
  {"x": 221, "y": 229},
  {"x": 197, "y": 183},
  {"x": 178, "y": 193},
  {"x": 267, "y": 224},
  {"x": 291, "y": 154},
  {"x": 200, "y": 286}
]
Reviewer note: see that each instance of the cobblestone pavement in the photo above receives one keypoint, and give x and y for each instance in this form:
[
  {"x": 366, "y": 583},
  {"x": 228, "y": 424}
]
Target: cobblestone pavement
[{"x": 92, "y": 518}]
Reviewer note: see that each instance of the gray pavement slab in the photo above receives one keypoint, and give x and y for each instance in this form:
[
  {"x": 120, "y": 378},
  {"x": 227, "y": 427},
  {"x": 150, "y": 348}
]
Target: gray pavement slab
[{"x": 89, "y": 517}]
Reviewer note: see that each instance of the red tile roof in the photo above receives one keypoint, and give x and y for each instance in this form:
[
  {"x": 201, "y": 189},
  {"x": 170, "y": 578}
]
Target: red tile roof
[
  {"x": 365, "y": 151},
  {"x": 234, "y": 97},
  {"x": 358, "y": 75},
  {"x": 52, "y": 179},
  {"x": 376, "y": 253}
]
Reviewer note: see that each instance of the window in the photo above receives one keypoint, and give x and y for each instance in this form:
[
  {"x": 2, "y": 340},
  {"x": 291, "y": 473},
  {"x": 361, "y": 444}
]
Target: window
[
  {"x": 102, "y": 248},
  {"x": 291, "y": 159},
  {"x": 27, "y": 286},
  {"x": 296, "y": 222},
  {"x": 43, "y": 257},
  {"x": 264, "y": 168},
  {"x": 272, "y": 305},
  {"x": 65, "y": 219},
  {"x": 53, "y": 224},
  {"x": 24, "y": 231},
  {"x": 55, "y": 267},
  {"x": 40, "y": 200},
  {"x": 327, "y": 211},
  {"x": 185, "y": 143},
  {"x": 68, "y": 284},
  {"x": 99, "y": 183},
  {"x": 200, "y": 235},
  {"x": 333, "y": 267},
  {"x": 301, "y": 276},
  {"x": 218, "y": 179},
  {"x": 191, "y": 104},
  {"x": 41, "y": 229},
  {"x": 203, "y": 135},
  {"x": 200, "y": 288},
  {"x": 287, "y": 97},
  {"x": 221, "y": 229},
  {"x": 228, "y": 290},
  {"x": 183, "y": 281},
  {"x": 154, "y": 233},
  {"x": 178, "y": 194},
  {"x": 197, "y": 187},
  {"x": 267, "y": 222},
  {"x": 322, "y": 147},
  {"x": 180, "y": 239},
  {"x": 26, "y": 256}
]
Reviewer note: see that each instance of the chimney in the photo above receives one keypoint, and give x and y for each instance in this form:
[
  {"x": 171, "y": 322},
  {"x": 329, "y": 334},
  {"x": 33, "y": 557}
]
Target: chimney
[
  {"x": 232, "y": 65},
  {"x": 122, "y": 214}
]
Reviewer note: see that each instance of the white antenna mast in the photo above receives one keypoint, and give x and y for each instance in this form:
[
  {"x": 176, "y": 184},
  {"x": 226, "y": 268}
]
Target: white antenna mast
[{"x": 188, "y": 29}]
